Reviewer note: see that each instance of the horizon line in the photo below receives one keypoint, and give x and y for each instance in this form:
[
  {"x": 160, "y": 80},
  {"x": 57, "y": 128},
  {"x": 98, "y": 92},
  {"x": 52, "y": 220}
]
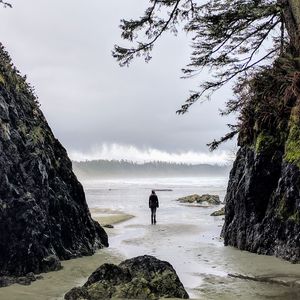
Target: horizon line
[{"x": 152, "y": 161}]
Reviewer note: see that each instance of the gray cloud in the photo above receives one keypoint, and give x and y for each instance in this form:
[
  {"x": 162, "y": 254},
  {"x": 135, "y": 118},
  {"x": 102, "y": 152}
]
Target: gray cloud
[{"x": 65, "y": 49}]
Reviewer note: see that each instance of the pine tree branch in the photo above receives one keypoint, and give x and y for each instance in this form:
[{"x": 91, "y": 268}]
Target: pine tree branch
[
  {"x": 216, "y": 143},
  {"x": 124, "y": 56},
  {"x": 264, "y": 37},
  {"x": 215, "y": 85},
  {"x": 5, "y": 4}
]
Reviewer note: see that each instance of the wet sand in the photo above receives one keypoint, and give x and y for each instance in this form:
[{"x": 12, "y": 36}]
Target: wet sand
[
  {"x": 75, "y": 271},
  {"x": 109, "y": 217},
  {"x": 55, "y": 284},
  {"x": 204, "y": 265},
  {"x": 188, "y": 238}
]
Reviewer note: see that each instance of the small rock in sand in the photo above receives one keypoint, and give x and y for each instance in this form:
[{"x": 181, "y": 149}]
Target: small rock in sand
[
  {"x": 108, "y": 226},
  {"x": 23, "y": 280},
  {"x": 220, "y": 212},
  {"x": 209, "y": 199}
]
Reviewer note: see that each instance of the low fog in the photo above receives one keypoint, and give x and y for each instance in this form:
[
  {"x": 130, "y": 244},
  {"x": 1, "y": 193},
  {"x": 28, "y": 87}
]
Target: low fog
[{"x": 91, "y": 103}]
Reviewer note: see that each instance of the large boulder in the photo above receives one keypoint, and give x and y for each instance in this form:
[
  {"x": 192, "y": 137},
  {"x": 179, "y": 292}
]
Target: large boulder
[
  {"x": 204, "y": 199},
  {"x": 143, "y": 277},
  {"x": 44, "y": 217}
]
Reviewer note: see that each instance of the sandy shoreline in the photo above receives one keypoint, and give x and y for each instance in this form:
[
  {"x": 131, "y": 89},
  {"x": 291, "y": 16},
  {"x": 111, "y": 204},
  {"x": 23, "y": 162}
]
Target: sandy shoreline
[
  {"x": 189, "y": 240},
  {"x": 55, "y": 284},
  {"x": 109, "y": 217},
  {"x": 75, "y": 271}
]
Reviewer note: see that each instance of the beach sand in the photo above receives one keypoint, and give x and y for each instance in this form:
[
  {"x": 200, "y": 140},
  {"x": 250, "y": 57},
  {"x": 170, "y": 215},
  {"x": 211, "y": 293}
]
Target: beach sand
[
  {"x": 75, "y": 271},
  {"x": 109, "y": 217},
  {"x": 195, "y": 251},
  {"x": 55, "y": 284},
  {"x": 187, "y": 237},
  {"x": 203, "y": 263}
]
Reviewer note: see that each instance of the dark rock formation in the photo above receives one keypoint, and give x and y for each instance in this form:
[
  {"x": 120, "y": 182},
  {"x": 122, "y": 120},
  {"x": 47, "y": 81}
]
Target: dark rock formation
[
  {"x": 44, "y": 217},
  {"x": 263, "y": 195},
  {"x": 263, "y": 205},
  {"x": 108, "y": 226},
  {"x": 217, "y": 213},
  {"x": 209, "y": 199},
  {"x": 143, "y": 277},
  {"x": 23, "y": 280}
]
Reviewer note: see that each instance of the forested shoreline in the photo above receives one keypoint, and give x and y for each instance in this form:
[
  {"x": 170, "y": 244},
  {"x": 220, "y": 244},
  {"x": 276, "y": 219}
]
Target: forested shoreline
[{"x": 124, "y": 168}]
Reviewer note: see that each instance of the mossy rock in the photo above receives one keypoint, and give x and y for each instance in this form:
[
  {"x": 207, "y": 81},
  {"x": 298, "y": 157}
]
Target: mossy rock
[
  {"x": 292, "y": 146},
  {"x": 206, "y": 198},
  {"x": 37, "y": 135},
  {"x": 295, "y": 217},
  {"x": 220, "y": 212},
  {"x": 267, "y": 142},
  {"x": 281, "y": 211},
  {"x": 2, "y": 80},
  {"x": 143, "y": 277},
  {"x": 284, "y": 213}
]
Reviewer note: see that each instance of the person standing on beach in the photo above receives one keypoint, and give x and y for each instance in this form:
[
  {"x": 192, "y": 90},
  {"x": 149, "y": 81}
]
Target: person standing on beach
[{"x": 153, "y": 205}]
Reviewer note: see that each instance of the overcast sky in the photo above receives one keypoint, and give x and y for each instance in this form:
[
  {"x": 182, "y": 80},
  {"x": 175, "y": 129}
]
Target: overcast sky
[{"x": 97, "y": 109}]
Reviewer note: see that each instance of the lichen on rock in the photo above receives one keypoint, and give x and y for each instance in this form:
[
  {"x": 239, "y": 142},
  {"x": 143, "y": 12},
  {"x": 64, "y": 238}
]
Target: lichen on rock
[
  {"x": 217, "y": 213},
  {"x": 206, "y": 198},
  {"x": 292, "y": 147},
  {"x": 143, "y": 277}
]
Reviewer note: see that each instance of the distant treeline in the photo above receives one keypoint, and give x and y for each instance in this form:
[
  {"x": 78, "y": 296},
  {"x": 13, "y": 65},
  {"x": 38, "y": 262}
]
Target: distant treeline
[{"x": 123, "y": 168}]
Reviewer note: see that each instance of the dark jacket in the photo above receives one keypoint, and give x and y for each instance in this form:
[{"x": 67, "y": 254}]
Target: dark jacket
[{"x": 153, "y": 201}]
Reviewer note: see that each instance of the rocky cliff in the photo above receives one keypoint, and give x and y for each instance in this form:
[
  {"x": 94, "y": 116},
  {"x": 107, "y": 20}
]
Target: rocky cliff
[
  {"x": 263, "y": 196},
  {"x": 44, "y": 217}
]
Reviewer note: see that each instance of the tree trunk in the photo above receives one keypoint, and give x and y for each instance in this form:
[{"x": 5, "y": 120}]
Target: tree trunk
[
  {"x": 295, "y": 8},
  {"x": 291, "y": 15}
]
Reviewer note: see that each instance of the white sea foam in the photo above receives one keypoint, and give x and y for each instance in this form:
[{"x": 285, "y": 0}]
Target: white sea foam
[{"x": 132, "y": 153}]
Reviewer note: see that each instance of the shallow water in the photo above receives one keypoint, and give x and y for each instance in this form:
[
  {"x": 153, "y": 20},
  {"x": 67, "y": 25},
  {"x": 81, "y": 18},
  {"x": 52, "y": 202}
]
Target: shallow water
[
  {"x": 54, "y": 285},
  {"x": 188, "y": 237}
]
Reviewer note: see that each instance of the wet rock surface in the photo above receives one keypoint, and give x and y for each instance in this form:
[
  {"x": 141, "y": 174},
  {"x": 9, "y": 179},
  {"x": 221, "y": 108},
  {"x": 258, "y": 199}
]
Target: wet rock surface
[
  {"x": 23, "y": 280},
  {"x": 203, "y": 199},
  {"x": 108, "y": 226},
  {"x": 44, "y": 216},
  {"x": 262, "y": 212},
  {"x": 263, "y": 205},
  {"x": 284, "y": 280},
  {"x": 143, "y": 277},
  {"x": 220, "y": 212}
]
